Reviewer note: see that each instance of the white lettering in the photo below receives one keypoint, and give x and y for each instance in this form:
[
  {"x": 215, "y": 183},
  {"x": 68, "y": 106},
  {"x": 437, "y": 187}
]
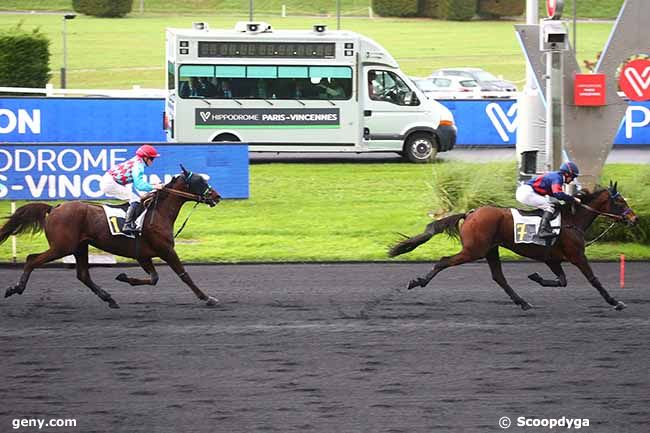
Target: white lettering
[
  {"x": 36, "y": 190},
  {"x": 11, "y": 121},
  {"x": 70, "y": 186},
  {"x": 88, "y": 189},
  {"x": 22, "y": 121},
  {"x": 51, "y": 186},
  {"x": 46, "y": 157},
  {"x": 61, "y": 160},
  {"x": 3, "y": 188},
  {"x": 19, "y": 162},
  {"x": 630, "y": 124},
  {"x": 8, "y": 160},
  {"x": 115, "y": 159},
  {"x": 33, "y": 122},
  {"x": 99, "y": 162}
]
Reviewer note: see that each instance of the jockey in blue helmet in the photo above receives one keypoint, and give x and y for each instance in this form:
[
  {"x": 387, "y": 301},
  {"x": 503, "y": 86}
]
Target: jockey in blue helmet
[{"x": 537, "y": 192}]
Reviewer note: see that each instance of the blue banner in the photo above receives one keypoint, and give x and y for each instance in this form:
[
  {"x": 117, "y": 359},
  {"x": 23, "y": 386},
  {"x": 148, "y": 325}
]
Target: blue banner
[
  {"x": 72, "y": 171},
  {"x": 481, "y": 122},
  {"x": 86, "y": 120}
]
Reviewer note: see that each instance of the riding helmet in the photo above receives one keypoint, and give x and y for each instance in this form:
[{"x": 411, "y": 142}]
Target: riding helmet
[
  {"x": 148, "y": 151},
  {"x": 570, "y": 168}
]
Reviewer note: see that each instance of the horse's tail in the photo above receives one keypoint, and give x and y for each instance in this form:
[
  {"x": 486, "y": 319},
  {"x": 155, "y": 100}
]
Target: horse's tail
[
  {"x": 28, "y": 218},
  {"x": 448, "y": 225}
]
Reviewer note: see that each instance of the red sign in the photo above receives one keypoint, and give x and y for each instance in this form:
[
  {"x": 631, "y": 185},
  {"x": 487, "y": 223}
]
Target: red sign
[
  {"x": 635, "y": 80},
  {"x": 554, "y": 8},
  {"x": 589, "y": 89}
]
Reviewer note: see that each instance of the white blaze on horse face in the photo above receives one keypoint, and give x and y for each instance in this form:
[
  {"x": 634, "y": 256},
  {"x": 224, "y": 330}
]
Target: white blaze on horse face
[{"x": 505, "y": 124}]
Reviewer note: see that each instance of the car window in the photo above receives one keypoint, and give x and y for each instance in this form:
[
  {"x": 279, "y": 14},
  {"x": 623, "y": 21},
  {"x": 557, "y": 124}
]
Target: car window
[
  {"x": 389, "y": 87},
  {"x": 469, "y": 83},
  {"x": 425, "y": 85},
  {"x": 442, "y": 82}
]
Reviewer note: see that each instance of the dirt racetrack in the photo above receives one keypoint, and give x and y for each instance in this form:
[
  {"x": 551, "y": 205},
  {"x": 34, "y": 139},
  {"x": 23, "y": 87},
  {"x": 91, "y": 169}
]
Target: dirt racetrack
[{"x": 326, "y": 348}]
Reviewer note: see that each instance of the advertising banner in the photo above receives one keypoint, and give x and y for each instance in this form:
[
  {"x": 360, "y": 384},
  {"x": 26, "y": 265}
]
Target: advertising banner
[
  {"x": 481, "y": 122},
  {"x": 267, "y": 118},
  {"x": 34, "y": 171}
]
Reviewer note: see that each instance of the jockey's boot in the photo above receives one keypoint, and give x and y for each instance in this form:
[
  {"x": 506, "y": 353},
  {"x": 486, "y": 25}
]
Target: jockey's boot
[
  {"x": 545, "y": 230},
  {"x": 131, "y": 215}
]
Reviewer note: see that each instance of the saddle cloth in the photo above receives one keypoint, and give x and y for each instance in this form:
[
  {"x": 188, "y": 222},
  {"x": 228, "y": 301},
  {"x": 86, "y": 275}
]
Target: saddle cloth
[
  {"x": 526, "y": 228},
  {"x": 115, "y": 217}
]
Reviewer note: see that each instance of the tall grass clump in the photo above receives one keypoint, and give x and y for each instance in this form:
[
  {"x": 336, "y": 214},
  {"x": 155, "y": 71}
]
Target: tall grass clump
[{"x": 459, "y": 187}]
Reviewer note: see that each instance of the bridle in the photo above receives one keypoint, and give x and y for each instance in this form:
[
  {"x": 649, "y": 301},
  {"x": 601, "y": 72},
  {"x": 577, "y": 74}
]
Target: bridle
[
  {"x": 199, "y": 198},
  {"x": 615, "y": 217}
]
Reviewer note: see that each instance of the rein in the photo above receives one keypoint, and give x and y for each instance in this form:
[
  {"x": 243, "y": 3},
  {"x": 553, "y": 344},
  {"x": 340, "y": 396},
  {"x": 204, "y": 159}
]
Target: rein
[
  {"x": 196, "y": 197},
  {"x": 615, "y": 217}
]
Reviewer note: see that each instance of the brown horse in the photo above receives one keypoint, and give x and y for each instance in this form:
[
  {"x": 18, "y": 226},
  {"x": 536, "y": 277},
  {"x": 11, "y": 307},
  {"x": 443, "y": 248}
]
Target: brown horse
[
  {"x": 487, "y": 228},
  {"x": 72, "y": 226}
]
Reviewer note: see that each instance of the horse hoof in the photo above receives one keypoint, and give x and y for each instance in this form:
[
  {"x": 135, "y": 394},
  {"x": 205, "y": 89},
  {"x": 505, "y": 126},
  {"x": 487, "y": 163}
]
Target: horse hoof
[
  {"x": 412, "y": 284},
  {"x": 535, "y": 277},
  {"x": 11, "y": 290},
  {"x": 122, "y": 277},
  {"x": 620, "y": 306},
  {"x": 525, "y": 306},
  {"x": 113, "y": 304},
  {"x": 212, "y": 301}
]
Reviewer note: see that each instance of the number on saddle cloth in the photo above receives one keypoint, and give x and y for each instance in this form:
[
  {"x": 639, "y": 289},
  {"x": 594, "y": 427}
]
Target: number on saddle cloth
[
  {"x": 115, "y": 216},
  {"x": 526, "y": 226}
]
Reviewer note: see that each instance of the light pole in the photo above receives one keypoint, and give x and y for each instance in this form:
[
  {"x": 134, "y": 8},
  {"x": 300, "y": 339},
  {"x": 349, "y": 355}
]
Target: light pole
[{"x": 66, "y": 17}]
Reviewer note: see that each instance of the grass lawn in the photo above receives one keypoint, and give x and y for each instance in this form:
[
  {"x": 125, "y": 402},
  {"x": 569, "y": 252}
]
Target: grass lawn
[
  {"x": 120, "y": 53},
  {"x": 329, "y": 212}
]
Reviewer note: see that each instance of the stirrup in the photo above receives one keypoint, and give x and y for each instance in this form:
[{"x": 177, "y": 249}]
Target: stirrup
[{"x": 544, "y": 234}]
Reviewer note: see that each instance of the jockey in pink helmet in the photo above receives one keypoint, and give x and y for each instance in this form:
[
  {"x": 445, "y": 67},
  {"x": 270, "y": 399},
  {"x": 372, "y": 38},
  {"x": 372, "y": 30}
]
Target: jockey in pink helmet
[{"x": 118, "y": 180}]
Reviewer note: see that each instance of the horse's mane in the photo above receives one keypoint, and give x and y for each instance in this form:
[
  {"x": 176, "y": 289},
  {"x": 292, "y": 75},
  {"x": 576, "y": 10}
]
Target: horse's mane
[{"x": 587, "y": 196}]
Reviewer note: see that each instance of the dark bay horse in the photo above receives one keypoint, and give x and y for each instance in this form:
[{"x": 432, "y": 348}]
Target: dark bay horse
[
  {"x": 487, "y": 228},
  {"x": 72, "y": 226}
]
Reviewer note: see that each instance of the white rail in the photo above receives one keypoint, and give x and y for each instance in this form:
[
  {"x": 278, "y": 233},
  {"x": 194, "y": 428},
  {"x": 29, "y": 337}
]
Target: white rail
[{"x": 52, "y": 92}]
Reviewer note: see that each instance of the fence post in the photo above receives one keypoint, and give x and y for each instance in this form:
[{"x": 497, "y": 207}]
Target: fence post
[{"x": 13, "y": 238}]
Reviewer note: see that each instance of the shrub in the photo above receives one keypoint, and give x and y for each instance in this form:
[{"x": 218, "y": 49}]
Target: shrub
[
  {"x": 501, "y": 8},
  {"x": 103, "y": 8},
  {"x": 24, "y": 58},
  {"x": 456, "y": 10},
  {"x": 428, "y": 8},
  {"x": 395, "y": 8}
]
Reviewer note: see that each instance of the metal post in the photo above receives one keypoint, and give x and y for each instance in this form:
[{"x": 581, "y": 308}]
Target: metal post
[
  {"x": 141, "y": 6},
  {"x": 553, "y": 110},
  {"x": 65, "y": 55},
  {"x": 13, "y": 238},
  {"x": 250, "y": 10},
  {"x": 66, "y": 17},
  {"x": 338, "y": 14},
  {"x": 575, "y": 28}
]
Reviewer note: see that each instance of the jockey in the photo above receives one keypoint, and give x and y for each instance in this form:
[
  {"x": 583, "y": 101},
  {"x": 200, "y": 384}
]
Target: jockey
[
  {"x": 537, "y": 192},
  {"x": 116, "y": 183}
]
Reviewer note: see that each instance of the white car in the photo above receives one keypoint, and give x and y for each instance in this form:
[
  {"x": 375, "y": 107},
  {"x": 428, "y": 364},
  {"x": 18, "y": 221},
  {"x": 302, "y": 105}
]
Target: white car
[{"x": 449, "y": 87}]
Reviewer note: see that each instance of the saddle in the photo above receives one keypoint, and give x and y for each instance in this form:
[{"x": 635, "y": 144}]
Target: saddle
[
  {"x": 526, "y": 226},
  {"x": 115, "y": 216}
]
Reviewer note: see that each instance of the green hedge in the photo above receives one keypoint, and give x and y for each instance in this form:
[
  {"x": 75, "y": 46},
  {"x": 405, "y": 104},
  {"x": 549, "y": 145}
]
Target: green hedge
[
  {"x": 103, "y": 8},
  {"x": 428, "y": 8},
  {"x": 501, "y": 8},
  {"x": 24, "y": 58},
  {"x": 456, "y": 10},
  {"x": 395, "y": 8}
]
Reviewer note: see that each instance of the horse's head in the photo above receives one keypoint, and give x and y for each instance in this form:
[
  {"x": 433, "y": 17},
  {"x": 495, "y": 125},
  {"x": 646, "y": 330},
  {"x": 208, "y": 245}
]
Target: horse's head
[
  {"x": 610, "y": 202},
  {"x": 197, "y": 185}
]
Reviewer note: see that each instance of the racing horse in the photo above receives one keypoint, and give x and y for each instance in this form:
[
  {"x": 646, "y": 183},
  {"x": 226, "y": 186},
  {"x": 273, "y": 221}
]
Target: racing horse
[
  {"x": 72, "y": 226},
  {"x": 487, "y": 228}
]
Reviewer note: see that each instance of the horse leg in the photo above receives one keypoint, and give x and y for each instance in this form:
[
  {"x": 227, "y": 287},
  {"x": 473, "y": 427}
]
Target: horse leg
[
  {"x": 81, "y": 258},
  {"x": 582, "y": 264},
  {"x": 497, "y": 275},
  {"x": 175, "y": 263},
  {"x": 148, "y": 267},
  {"x": 445, "y": 262},
  {"x": 33, "y": 261},
  {"x": 556, "y": 267}
]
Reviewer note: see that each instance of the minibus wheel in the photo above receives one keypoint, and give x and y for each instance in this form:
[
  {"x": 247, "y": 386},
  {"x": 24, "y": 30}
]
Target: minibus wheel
[
  {"x": 225, "y": 137},
  {"x": 421, "y": 147}
]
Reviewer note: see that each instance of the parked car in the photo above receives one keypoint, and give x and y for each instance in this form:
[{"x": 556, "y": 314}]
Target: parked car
[
  {"x": 486, "y": 81},
  {"x": 466, "y": 88}
]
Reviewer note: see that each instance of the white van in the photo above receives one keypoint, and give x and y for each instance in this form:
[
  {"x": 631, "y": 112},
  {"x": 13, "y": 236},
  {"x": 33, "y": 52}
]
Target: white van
[{"x": 297, "y": 91}]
